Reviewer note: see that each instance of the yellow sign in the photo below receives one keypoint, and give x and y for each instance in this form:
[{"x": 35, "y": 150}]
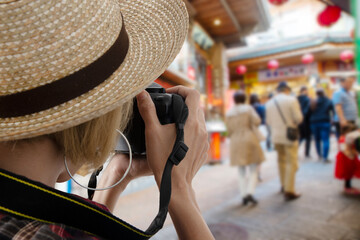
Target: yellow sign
[
  {"x": 251, "y": 77},
  {"x": 235, "y": 85}
]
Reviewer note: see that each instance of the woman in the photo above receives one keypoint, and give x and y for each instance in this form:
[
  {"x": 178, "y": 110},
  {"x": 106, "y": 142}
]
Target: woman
[
  {"x": 259, "y": 108},
  {"x": 322, "y": 111},
  {"x": 69, "y": 72},
  {"x": 242, "y": 123}
]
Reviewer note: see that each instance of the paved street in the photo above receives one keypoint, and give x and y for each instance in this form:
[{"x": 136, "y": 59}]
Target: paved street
[{"x": 323, "y": 212}]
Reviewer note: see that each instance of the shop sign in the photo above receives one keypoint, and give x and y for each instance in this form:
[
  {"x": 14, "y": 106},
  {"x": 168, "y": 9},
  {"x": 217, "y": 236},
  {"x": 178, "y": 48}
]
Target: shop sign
[
  {"x": 332, "y": 66},
  {"x": 191, "y": 73},
  {"x": 235, "y": 85},
  {"x": 251, "y": 77},
  {"x": 201, "y": 37},
  {"x": 287, "y": 72},
  {"x": 209, "y": 83}
]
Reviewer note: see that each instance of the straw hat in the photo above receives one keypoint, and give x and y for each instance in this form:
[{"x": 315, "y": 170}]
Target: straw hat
[{"x": 65, "y": 62}]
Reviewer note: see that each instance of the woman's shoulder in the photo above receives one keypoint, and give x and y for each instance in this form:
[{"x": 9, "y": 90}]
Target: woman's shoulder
[
  {"x": 11, "y": 226},
  {"x": 239, "y": 109}
]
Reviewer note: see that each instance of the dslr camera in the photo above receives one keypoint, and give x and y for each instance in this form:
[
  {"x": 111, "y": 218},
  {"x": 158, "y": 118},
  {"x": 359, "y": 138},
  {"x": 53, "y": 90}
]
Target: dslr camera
[{"x": 166, "y": 113}]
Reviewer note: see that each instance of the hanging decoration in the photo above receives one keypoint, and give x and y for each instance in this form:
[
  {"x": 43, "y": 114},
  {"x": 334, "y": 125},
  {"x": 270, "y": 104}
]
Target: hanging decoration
[
  {"x": 329, "y": 16},
  {"x": 278, "y": 2},
  {"x": 273, "y": 64},
  {"x": 241, "y": 69},
  {"x": 307, "y": 58},
  {"x": 347, "y": 56}
]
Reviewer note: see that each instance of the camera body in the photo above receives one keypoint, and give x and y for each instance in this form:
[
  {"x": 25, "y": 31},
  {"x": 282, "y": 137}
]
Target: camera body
[{"x": 135, "y": 130}]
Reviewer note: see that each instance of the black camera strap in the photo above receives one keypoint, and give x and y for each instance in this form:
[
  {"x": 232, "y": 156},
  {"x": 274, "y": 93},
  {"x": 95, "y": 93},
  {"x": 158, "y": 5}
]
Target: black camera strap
[{"x": 178, "y": 153}]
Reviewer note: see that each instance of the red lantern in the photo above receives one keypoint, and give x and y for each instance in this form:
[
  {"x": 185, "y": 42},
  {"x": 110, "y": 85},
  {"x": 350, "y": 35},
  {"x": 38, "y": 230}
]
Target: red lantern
[
  {"x": 241, "y": 69},
  {"x": 329, "y": 16},
  {"x": 347, "y": 56},
  {"x": 273, "y": 64},
  {"x": 278, "y": 2},
  {"x": 307, "y": 58}
]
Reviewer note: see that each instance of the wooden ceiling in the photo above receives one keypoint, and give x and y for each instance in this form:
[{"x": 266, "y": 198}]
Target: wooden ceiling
[{"x": 238, "y": 18}]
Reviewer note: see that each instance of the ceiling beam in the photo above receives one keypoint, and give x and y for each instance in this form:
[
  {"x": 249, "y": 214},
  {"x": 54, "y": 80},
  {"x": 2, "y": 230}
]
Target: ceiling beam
[
  {"x": 231, "y": 15},
  {"x": 265, "y": 18},
  {"x": 190, "y": 8}
]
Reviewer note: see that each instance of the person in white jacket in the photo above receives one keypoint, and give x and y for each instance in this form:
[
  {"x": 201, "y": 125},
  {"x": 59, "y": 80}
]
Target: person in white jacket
[{"x": 284, "y": 111}]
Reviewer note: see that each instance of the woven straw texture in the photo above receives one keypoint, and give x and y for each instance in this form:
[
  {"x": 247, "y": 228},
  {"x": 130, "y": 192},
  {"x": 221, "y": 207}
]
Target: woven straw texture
[{"x": 45, "y": 40}]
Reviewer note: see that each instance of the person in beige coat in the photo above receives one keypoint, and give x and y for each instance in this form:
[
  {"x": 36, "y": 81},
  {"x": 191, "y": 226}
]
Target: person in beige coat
[{"x": 245, "y": 151}]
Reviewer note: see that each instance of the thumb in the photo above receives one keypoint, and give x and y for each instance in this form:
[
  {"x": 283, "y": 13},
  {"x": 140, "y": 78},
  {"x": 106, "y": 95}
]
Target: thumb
[{"x": 147, "y": 109}]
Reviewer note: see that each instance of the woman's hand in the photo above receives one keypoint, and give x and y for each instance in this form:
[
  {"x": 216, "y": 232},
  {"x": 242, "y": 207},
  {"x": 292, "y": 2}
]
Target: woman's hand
[
  {"x": 120, "y": 162},
  {"x": 114, "y": 172},
  {"x": 160, "y": 140}
]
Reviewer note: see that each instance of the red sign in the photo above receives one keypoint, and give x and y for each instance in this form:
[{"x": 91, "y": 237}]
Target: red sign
[
  {"x": 209, "y": 83},
  {"x": 191, "y": 73}
]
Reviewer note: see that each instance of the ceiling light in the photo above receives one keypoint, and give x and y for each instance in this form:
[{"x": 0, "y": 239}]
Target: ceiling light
[{"x": 217, "y": 22}]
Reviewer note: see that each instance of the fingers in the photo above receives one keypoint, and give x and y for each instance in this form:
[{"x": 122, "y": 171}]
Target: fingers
[
  {"x": 147, "y": 109},
  {"x": 192, "y": 96}
]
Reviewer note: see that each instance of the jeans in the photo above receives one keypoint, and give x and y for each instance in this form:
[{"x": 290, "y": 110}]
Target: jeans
[
  {"x": 321, "y": 133},
  {"x": 305, "y": 134},
  {"x": 307, "y": 140}
]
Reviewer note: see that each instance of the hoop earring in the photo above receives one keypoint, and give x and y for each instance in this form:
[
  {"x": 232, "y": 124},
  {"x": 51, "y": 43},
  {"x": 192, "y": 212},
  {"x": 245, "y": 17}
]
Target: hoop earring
[{"x": 112, "y": 155}]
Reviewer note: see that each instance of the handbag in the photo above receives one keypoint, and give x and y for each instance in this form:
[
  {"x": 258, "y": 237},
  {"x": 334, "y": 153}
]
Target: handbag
[{"x": 292, "y": 133}]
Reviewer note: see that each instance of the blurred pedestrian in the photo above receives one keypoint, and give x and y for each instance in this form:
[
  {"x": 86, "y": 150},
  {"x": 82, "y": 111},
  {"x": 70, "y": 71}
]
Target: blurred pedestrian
[
  {"x": 283, "y": 114},
  {"x": 242, "y": 123},
  {"x": 322, "y": 110},
  {"x": 269, "y": 145},
  {"x": 347, "y": 161},
  {"x": 259, "y": 108},
  {"x": 304, "y": 127},
  {"x": 345, "y": 105}
]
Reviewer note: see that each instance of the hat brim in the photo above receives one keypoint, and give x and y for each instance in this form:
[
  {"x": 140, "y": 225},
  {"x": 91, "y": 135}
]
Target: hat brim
[{"x": 156, "y": 30}]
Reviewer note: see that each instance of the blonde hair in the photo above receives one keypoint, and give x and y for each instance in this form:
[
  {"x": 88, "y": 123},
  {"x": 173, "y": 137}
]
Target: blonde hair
[{"x": 89, "y": 144}]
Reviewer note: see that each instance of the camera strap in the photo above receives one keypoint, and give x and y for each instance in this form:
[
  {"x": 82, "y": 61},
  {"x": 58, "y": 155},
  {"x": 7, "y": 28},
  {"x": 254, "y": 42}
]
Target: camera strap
[{"x": 178, "y": 153}]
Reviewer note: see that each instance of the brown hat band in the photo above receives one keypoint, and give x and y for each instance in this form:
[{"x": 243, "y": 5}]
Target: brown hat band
[{"x": 69, "y": 87}]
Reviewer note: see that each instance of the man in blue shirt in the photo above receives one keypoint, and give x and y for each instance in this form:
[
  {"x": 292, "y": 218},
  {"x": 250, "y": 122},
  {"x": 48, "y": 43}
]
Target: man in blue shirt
[{"x": 345, "y": 105}]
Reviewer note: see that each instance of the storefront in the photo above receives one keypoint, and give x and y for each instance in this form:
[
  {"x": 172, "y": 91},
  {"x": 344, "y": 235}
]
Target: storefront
[
  {"x": 264, "y": 82},
  {"x": 201, "y": 64}
]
